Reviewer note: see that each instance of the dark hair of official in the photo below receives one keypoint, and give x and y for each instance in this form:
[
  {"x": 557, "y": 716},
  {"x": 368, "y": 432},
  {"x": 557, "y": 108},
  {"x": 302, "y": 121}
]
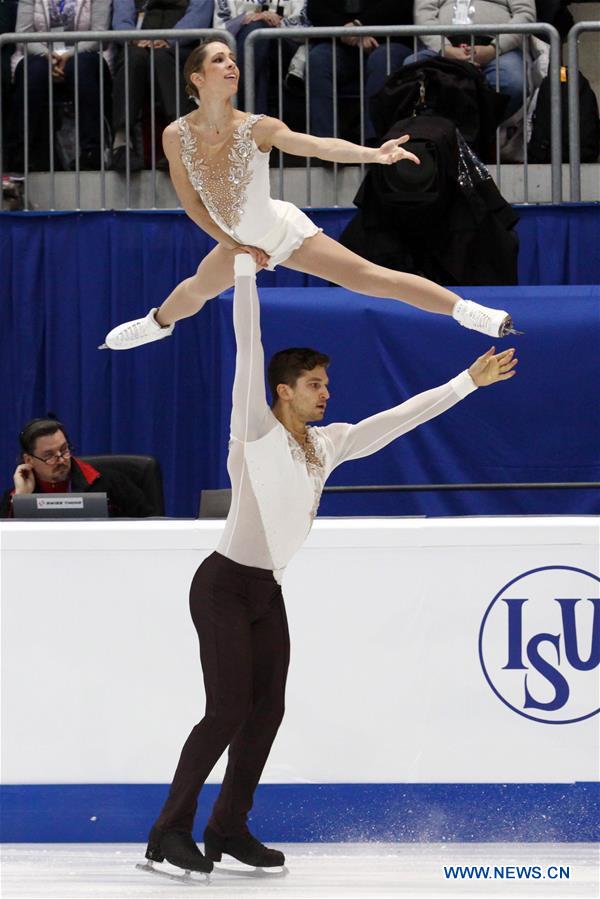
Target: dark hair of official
[
  {"x": 39, "y": 427},
  {"x": 286, "y": 366}
]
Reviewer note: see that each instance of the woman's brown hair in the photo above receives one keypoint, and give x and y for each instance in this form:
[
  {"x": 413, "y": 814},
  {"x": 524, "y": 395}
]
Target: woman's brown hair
[{"x": 195, "y": 63}]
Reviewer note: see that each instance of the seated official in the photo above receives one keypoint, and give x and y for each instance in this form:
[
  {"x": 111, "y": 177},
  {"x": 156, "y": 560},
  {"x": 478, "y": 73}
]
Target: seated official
[{"x": 48, "y": 466}]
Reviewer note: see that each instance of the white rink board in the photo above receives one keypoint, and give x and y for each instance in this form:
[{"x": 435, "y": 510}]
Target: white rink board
[{"x": 101, "y": 668}]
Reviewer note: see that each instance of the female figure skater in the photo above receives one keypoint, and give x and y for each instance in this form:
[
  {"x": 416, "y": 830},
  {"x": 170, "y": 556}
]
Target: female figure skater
[{"x": 219, "y": 165}]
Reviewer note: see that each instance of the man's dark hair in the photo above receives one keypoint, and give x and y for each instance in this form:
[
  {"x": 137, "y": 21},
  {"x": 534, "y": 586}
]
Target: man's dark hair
[
  {"x": 286, "y": 366},
  {"x": 39, "y": 427}
]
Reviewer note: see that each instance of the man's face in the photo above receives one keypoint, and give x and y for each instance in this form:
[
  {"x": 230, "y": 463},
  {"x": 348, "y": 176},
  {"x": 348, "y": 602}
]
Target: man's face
[
  {"x": 46, "y": 460},
  {"x": 308, "y": 398}
]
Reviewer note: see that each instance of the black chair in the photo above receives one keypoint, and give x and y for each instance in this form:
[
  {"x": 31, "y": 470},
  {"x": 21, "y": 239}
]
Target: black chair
[
  {"x": 144, "y": 471},
  {"x": 214, "y": 503}
]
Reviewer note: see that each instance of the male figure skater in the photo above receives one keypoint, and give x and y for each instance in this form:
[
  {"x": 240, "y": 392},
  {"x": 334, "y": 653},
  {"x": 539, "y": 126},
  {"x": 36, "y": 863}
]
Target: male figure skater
[{"x": 277, "y": 465}]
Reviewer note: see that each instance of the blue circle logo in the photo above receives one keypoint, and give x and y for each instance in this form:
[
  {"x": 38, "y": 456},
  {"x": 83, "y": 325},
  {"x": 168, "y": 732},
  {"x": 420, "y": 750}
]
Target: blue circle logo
[{"x": 539, "y": 644}]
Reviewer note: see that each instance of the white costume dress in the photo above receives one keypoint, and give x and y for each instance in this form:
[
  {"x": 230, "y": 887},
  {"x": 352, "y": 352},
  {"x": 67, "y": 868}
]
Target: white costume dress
[
  {"x": 276, "y": 486},
  {"x": 234, "y": 187}
]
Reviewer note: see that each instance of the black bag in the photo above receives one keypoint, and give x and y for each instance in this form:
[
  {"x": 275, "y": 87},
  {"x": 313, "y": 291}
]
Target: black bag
[
  {"x": 443, "y": 87},
  {"x": 538, "y": 148},
  {"x": 444, "y": 219}
]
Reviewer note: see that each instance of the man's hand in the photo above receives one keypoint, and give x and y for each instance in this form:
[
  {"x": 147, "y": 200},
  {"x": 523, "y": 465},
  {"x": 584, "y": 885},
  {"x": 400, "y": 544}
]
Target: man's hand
[
  {"x": 391, "y": 151},
  {"x": 24, "y": 479},
  {"x": 367, "y": 43},
  {"x": 462, "y": 53},
  {"x": 489, "y": 368},
  {"x": 269, "y": 17},
  {"x": 58, "y": 66},
  {"x": 483, "y": 55},
  {"x": 260, "y": 257}
]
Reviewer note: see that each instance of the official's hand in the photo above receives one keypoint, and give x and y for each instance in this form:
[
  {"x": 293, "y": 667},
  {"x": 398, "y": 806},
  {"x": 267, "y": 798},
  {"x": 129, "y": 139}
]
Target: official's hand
[
  {"x": 260, "y": 257},
  {"x": 24, "y": 478},
  {"x": 489, "y": 368},
  {"x": 391, "y": 151}
]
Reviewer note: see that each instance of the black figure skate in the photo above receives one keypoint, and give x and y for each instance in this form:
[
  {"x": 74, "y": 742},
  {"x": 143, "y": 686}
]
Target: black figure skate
[
  {"x": 247, "y": 849},
  {"x": 178, "y": 848}
]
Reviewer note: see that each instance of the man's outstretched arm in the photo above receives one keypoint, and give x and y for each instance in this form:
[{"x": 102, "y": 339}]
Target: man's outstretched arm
[
  {"x": 372, "y": 434},
  {"x": 250, "y": 414}
]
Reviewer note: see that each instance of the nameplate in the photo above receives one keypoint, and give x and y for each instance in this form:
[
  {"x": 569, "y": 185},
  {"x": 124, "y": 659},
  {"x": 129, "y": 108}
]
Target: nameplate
[{"x": 68, "y": 502}]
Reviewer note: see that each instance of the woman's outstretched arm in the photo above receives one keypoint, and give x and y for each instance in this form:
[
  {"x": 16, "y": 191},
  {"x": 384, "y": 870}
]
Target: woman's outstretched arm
[{"x": 269, "y": 132}]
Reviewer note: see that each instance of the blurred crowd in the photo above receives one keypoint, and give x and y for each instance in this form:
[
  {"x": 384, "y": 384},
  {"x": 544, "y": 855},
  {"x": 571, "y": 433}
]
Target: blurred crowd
[{"x": 106, "y": 77}]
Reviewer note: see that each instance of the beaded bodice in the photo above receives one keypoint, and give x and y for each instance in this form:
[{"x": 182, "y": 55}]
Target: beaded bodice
[{"x": 221, "y": 180}]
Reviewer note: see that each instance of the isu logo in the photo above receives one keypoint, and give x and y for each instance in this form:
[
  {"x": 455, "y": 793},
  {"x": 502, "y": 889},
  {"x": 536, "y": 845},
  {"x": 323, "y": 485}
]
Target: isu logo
[{"x": 539, "y": 644}]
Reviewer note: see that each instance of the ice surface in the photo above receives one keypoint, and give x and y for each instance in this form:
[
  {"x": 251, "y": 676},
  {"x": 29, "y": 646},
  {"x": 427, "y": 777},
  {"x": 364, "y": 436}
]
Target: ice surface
[{"x": 316, "y": 871}]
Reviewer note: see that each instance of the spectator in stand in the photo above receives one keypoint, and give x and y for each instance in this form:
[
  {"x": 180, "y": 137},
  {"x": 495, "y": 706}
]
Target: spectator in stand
[
  {"x": 8, "y": 18},
  {"x": 48, "y": 465},
  {"x": 54, "y": 15},
  {"x": 505, "y": 47},
  {"x": 241, "y": 18},
  {"x": 151, "y": 14},
  {"x": 328, "y": 13}
]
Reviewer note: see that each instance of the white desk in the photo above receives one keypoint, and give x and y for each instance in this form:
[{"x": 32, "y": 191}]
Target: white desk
[{"x": 102, "y": 680}]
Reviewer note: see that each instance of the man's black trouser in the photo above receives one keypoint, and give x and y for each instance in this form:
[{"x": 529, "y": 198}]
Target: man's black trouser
[{"x": 240, "y": 618}]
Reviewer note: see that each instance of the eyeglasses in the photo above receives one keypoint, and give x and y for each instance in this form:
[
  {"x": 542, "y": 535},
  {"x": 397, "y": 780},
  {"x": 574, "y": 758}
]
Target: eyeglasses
[{"x": 54, "y": 458}]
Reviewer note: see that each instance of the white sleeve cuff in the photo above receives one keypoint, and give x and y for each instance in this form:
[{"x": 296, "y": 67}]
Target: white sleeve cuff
[
  {"x": 244, "y": 265},
  {"x": 463, "y": 384}
]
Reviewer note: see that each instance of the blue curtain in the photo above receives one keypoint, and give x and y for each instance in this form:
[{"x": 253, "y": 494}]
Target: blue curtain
[{"x": 67, "y": 278}]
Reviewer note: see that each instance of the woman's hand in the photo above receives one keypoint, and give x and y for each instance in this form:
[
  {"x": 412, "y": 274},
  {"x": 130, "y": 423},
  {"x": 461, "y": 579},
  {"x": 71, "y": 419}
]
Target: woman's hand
[
  {"x": 489, "y": 368},
  {"x": 391, "y": 151},
  {"x": 260, "y": 257}
]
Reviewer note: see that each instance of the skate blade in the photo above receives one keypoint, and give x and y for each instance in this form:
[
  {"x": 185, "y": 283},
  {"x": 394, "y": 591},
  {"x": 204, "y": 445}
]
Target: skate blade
[
  {"x": 508, "y": 328},
  {"x": 255, "y": 873},
  {"x": 103, "y": 346},
  {"x": 186, "y": 877}
]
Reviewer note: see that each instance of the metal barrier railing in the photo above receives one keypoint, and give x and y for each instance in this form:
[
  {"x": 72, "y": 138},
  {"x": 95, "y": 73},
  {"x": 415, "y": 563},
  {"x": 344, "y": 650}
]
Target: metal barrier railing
[
  {"x": 503, "y": 485},
  {"x": 573, "y": 94},
  {"x": 414, "y": 31},
  {"x": 104, "y": 39}
]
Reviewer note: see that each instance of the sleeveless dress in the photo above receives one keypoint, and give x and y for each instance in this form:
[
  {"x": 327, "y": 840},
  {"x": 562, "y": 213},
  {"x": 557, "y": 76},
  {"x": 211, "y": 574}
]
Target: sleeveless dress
[{"x": 234, "y": 187}]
